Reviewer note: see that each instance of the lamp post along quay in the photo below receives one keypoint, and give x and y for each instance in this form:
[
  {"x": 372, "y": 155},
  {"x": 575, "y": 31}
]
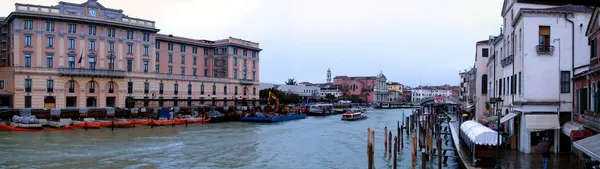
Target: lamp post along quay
[{"x": 498, "y": 101}]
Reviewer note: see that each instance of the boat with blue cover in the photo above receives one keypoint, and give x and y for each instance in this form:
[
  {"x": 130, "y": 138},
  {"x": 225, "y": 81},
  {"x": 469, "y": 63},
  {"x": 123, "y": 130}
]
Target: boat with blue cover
[{"x": 272, "y": 113}]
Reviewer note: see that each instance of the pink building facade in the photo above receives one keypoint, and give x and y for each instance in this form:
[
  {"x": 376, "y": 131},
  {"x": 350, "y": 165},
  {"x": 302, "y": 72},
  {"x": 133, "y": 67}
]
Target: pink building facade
[
  {"x": 87, "y": 55},
  {"x": 361, "y": 86}
]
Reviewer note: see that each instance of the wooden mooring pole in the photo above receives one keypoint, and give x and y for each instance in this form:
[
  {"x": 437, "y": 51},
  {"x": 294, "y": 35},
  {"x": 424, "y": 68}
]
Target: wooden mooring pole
[
  {"x": 385, "y": 142},
  {"x": 395, "y": 152},
  {"x": 373, "y": 149},
  {"x": 369, "y": 149},
  {"x": 390, "y": 145},
  {"x": 439, "y": 147},
  {"x": 423, "y": 159},
  {"x": 414, "y": 151},
  {"x": 368, "y": 140},
  {"x": 406, "y": 125},
  {"x": 399, "y": 132},
  {"x": 401, "y": 138}
]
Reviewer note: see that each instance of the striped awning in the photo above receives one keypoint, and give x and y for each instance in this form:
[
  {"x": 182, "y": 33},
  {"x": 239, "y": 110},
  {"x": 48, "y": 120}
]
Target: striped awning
[{"x": 589, "y": 146}]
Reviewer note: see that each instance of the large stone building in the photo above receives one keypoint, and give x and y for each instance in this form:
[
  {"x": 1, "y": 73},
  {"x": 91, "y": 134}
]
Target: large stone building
[
  {"x": 88, "y": 55},
  {"x": 422, "y": 92},
  {"x": 360, "y": 87},
  {"x": 534, "y": 58},
  {"x": 380, "y": 89}
]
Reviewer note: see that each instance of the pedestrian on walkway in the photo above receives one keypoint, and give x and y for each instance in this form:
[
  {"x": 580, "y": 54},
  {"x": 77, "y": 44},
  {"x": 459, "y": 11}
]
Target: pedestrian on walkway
[{"x": 544, "y": 149}]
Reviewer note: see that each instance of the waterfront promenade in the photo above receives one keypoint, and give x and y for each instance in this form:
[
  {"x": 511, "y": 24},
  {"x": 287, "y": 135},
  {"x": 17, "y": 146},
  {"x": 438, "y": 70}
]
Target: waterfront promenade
[
  {"x": 311, "y": 143},
  {"x": 512, "y": 158}
]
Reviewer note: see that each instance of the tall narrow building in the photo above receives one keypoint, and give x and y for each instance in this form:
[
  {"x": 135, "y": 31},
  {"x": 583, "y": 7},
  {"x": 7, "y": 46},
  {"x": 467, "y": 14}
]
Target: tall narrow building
[{"x": 328, "y": 75}]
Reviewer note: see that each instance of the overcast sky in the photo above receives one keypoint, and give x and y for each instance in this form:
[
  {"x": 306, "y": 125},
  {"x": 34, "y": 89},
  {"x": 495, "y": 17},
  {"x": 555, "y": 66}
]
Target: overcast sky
[{"x": 413, "y": 42}]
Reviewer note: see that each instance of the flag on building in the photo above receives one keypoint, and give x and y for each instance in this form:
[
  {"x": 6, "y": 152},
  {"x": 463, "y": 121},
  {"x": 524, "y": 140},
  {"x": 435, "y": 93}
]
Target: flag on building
[{"x": 80, "y": 57}]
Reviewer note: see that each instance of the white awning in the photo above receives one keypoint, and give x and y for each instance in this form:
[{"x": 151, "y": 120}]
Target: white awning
[
  {"x": 508, "y": 117},
  {"x": 589, "y": 146},
  {"x": 570, "y": 126},
  {"x": 479, "y": 134},
  {"x": 539, "y": 122}
]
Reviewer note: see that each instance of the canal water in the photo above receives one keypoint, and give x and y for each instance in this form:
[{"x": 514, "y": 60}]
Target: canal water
[{"x": 311, "y": 143}]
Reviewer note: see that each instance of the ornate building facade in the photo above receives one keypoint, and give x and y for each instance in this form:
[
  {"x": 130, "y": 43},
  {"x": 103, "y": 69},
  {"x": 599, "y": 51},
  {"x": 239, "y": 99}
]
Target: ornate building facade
[{"x": 87, "y": 55}]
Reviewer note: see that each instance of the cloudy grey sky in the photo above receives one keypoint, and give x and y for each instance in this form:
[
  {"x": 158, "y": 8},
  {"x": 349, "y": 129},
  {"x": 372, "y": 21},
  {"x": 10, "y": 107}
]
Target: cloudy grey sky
[{"x": 412, "y": 41}]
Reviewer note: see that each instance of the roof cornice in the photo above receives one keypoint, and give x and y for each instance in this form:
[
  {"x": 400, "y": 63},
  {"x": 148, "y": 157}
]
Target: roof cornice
[{"x": 13, "y": 15}]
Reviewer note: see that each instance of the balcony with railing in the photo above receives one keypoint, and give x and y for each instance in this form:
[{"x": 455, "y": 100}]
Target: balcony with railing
[
  {"x": 91, "y": 72},
  {"x": 246, "y": 82},
  {"x": 544, "y": 49},
  {"x": 594, "y": 62},
  {"x": 591, "y": 120},
  {"x": 507, "y": 61}
]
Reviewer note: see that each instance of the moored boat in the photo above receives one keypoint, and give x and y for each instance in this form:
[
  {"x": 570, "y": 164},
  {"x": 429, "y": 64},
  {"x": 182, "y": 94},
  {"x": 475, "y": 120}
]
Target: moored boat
[
  {"x": 320, "y": 110},
  {"x": 278, "y": 118}
]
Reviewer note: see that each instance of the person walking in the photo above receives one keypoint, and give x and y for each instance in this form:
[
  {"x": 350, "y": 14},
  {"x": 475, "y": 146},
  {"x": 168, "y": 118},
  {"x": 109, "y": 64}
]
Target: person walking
[{"x": 544, "y": 149}]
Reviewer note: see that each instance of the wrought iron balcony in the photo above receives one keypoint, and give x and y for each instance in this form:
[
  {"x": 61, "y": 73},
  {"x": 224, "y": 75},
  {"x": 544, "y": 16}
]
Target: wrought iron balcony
[
  {"x": 594, "y": 61},
  {"x": 545, "y": 49},
  {"x": 507, "y": 61},
  {"x": 591, "y": 120},
  {"x": 246, "y": 82},
  {"x": 91, "y": 72}
]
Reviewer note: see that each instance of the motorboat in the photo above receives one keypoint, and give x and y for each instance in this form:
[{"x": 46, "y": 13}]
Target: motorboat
[{"x": 354, "y": 114}]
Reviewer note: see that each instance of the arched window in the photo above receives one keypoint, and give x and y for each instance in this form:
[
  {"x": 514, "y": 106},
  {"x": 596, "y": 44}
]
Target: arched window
[
  {"x": 71, "y": 86},
  {"x": 111, "y": 87},
  {"x": 484, "y": 87},
  {"x": 92, "y": 87},
  {"x": 354, "y": 87}
]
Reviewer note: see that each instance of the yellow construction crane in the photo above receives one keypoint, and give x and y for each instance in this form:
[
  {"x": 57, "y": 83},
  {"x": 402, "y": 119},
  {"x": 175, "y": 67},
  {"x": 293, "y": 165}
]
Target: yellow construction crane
[{"x": 272, "y": 96}]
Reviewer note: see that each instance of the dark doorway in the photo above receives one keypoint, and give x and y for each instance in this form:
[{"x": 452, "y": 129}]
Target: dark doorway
[
  {"x": 129, "y": 103},
  {"x": 517, "y": 132},
  {"x": 146, "y": 102},
  {"x": 111, "y": 102},
  {"x": 91, "y": 102},
  {"x": 6, "y": 101},
  {"x": 71, "y": 101},
  {"x": 565, "y": 140},
  {"x": 49, "y": 102}
]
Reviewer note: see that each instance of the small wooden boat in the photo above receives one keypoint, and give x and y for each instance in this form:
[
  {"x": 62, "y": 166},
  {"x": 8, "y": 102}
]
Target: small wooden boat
[{"x": 353, "y": 115}]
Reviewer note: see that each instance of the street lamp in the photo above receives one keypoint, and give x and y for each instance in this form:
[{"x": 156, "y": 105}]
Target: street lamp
[{"x": 498, "y": 101}]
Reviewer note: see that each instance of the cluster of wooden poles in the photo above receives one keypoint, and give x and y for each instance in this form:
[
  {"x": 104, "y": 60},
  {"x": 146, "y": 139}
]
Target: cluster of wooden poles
[
  {"x": 430, "y": 130},
  {"x": 394, "y": 144}
]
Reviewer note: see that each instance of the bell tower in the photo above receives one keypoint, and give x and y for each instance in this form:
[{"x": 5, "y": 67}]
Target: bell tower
[{"x": 328, "y": 75}]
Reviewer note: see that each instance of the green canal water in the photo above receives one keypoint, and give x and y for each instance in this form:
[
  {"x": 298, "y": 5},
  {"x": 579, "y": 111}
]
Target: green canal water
[{"x": 311, "y": 143}]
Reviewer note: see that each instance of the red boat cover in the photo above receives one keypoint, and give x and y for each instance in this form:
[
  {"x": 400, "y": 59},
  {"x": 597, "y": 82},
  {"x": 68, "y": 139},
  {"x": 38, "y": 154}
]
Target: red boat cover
[{"x": 580, "y": 134}]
